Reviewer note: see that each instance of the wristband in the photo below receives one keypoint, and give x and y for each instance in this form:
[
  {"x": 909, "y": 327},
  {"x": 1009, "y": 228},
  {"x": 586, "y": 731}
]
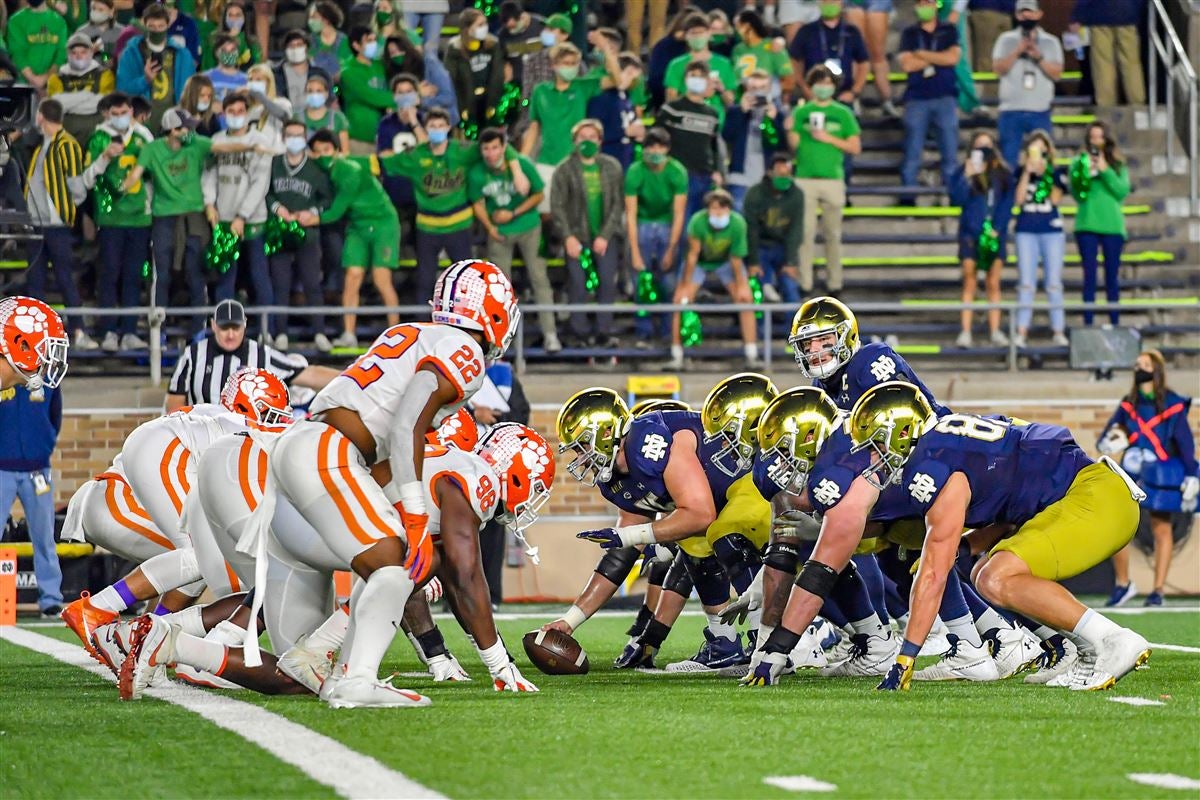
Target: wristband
[
  {"x": 412, "y": 498},
  {"x": 495, "y": 657},
  {"x": 910, "y": 650},
  {"x": 574, "y": 617},
  {"x": 636, "y": 534}
]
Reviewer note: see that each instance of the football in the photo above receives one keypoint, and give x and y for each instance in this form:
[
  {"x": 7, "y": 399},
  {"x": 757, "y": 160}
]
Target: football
[{"x": 555, "y": 653}]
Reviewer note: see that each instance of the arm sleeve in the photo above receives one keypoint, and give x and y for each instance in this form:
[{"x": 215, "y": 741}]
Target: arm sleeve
[
  {"x": 959, "y": 188},
  {"x": 400, "y": 436},
  {"x": 1116, "y": 181},
  {"x": 208, "y": 184}
]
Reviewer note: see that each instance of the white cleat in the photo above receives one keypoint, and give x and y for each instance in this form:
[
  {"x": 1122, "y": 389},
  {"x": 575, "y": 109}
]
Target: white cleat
[
  {"x": 807, "y": 654},
  {"x": 309, "y": 668},
  {"x": 962, "y": 662},
  {"x": 935, "y": 644},
  {"x": 337, "y": 673},
  {"x": 868, "y": 656},
  {"x": 1011, "y": 648},
  {"x": 1050, "y": 665},
  {"x": 109, "y": 645},
  {"x": 361, "y": 692},
  {"x": 151, "y": 645},
  {"x": 200, "y": 677},
  {"x": 1121, "y": 652},
  {"x": 1080, "y": 671}
]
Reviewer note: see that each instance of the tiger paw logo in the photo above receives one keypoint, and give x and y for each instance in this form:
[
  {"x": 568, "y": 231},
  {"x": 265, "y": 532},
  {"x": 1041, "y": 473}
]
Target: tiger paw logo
[{"x": 30, "y": 319}]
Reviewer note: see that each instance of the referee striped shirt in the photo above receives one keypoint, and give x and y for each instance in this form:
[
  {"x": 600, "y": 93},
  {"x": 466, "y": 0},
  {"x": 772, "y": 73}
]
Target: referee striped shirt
[{"x": 204, "y": 367}]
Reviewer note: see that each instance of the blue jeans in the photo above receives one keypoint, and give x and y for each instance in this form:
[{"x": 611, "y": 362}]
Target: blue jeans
[
  {"x": 1048, "y": 248},
  {"x": 698, "y": 186},
  {"x": 738, "y": 193},
  {"x": 1012, "y": 127},
  {"x": 162, "y": 235},
  {"x": 772, "y": 258},
  {"x": 653, "y": 238},
  {"x": 123, "y": 251},
  {"x": 254, "y": 256},
  {"x": 431, "y": 28},
  {"x": 1090, "y": 246},
  {"x": 919, "y": 115},
  {"x": 39, "y": 511}
]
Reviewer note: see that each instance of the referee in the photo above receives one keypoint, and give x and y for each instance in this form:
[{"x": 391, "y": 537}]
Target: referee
[{"x": 206, "y": 365}]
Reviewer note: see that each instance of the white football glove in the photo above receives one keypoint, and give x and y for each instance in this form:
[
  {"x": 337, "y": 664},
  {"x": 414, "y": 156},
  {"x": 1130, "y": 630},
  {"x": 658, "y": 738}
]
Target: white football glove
[
  {"x": 433, "y": 590},
  {"x": 1190, "y": 489},
  {"x": 1113, "y": 441},
  {"x": 446, "y": 668},
  {"x": 801, "y": 524},
  {"x": 509, "y": 679},
  {"x": 749, "y": 600}
]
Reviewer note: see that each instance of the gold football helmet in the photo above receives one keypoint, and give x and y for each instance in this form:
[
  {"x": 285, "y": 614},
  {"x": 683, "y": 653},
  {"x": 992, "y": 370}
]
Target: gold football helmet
[
  {"x": 657, "y": 404},
  {"x": 821, "y": 318},
  {"x": 794, "y": 428},
  {"x": 591, "y": 425},
  {"x": 731, "y": 412},
  {"x": 889, "y": 419}
]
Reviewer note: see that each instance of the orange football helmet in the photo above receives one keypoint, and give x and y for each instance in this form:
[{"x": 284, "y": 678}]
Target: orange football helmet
[
  {"x": 259, "y": 396},
  {"x": 525, "y": 464},
  {"x": 457, "y": 430},
  {"x": 478, "y": 296},
  {"x": 33, "y": 341}
]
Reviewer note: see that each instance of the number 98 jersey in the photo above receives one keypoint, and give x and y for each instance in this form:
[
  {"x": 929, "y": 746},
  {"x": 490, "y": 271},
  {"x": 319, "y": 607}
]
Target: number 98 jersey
[
  {"x": 374, "y": 385},
  {"x": 470, "y": 473}
]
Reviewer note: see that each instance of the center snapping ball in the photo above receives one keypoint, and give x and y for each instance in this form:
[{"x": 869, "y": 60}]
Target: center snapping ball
[{"x": 555, "y": 653}]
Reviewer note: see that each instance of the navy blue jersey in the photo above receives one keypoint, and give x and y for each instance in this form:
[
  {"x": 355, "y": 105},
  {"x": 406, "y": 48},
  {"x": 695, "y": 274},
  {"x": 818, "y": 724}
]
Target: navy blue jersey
[
  {"x": 642, "y": 490},
  {"x": 1015, "y": 471},
  {"x": 873, "y": 364},
  {"x": 766, "y": 473},
  {"x": 836, "y": 468}
]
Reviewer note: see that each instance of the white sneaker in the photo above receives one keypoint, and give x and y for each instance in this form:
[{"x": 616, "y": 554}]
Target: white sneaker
[
  {"x": 84, "y": 342},
  {"x": 346, "y": 339},
  {"x": 1049, "y": 667},
  {"x": 1011, "y": 649},
  {"x": 322, "y": 343},
  {"x": 551, "y": 344},
  {"x": 1079, "y": 672},
  {"x": 868, "y": 656},
  {"x": 673, "y": 365},
  {"x": 770, "y": 293},
  {"x": 105, "y": 640},
  {"x": 281, "y": 342},
  {"x": 200, "y": 677},
  {"x": 151, "y": 644},
  {"x": 997, "y": 337},
  {"x": 889, "y": 110},
  {"x": 1060, "y": 339},
  {"x": 359, "y": 692},
  {"x": 963, "y": 340},
  {"x": 935, "y": 645},
  {"x": 1019, "y": 341},
  {"x": 962, "y": 662},
  {"x": 131, "y": 341},
  {"x": 1121, "y": 652},
  {"x": 807, "y": 654},
  {"x": 111, "y": 342},
  {"x": 308, "y": 667}
]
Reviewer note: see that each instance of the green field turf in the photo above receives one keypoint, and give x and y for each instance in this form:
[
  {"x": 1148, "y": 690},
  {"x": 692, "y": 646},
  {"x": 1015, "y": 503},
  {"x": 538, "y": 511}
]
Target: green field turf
[{"x": 64, "y": 734}]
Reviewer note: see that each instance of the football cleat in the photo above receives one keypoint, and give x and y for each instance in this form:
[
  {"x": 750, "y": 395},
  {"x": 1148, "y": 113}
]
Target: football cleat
[
  {"x": 1054, "y": 662},
  {"x": 151, "y": 644},
  {"x": 199, "y": 677},
  {"x": 84, "y": 619},
  {"x": 826, "y": 632},
  {"x": 108, "y": 644},
  {"x": 1121, "y": 595},
  {"x": 962, "y": 662},
  {"x": 868, "y": 656},
  {"x": 1121, "y": 652},
  {"x": 336, "y": 674},
  {"x": 362, "y": 692},
  {"x": 716, "y": 653},
  {"x": 305, "y": 666},
  {"x": 636, "y": 655},
  {"x": 1080, "y": 671},
  {"x": 1011, "y": 648},
  {"x": 807, "y": 654}
]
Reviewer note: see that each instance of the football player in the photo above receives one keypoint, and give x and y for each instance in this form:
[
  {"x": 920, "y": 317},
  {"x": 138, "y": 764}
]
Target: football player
[{"x": 34, "y": 344}]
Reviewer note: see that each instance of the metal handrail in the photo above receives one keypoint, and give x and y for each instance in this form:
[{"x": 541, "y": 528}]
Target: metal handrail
[{"x": 1174, "y": 58}]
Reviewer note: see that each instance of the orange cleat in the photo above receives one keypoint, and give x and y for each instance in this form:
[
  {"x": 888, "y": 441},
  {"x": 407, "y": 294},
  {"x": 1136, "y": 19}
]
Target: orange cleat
[{"x": 84, "y": 618}]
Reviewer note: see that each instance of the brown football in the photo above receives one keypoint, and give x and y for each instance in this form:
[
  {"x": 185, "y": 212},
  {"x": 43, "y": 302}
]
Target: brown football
[{"x": 555, "y": 653}]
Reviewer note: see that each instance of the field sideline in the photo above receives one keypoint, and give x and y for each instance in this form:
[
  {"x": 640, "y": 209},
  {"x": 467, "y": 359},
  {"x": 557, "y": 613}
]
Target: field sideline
[{"x": 610, "y": 734}]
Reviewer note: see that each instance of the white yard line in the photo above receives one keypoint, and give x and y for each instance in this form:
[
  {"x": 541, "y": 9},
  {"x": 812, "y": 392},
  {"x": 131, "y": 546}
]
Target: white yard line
[
  {"x": 325, "y": 760},
  {"x": 1150, "y": 610},
  {"x": 799, "y": 783},
  {"x": 1178, "y": 648},
  {"x": 1136, "y": 701},
  {"x": 1164, "y": 780}
]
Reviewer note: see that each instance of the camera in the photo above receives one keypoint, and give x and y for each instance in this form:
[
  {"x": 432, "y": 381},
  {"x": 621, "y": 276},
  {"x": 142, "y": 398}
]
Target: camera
[{"x": 17, "y": 104}]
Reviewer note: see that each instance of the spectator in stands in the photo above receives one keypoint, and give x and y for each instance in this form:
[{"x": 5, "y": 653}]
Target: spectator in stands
[
  {"x": 387, "y": 20},
  {"x": 635, "y": 14},
  {"x": 1100, "y": 222},
  {"x": 1028, "y": 60},
  {"x": 1114, "y": 48},
  {"x": 537, "y": 67},
  {"x": 1039, "y": 234},
  {"x": 717, "y": 247},
  {"x": 520, "y": 35},
  {"x": 372, "y": 230},
  {"x": 929, "y": 52},
  {"x": 672, "y": 45},
  {"x": 227, "y": 76},
  {"x": 122, "y": 219},
  {"x": 197, "y": 100},
  {"x": 396, "y": 134},
  {"x": 267, "y": 111},
  {"x": 182, "y": 31},
  {"x": 871, "y": 17},
  {"x": 753, "y": 130},
  {"x": 694, "y": 128},
  {"x": 831, "y": 40},
  {"x": 364, "y": 91},
  {"x": 428, "y": 16},
  {"x": 293, "y": 72},
  {"x": 557, "y": 106},
  {"x": 103, "y": 31},
  {"x": 56, "y": 162},
  {"x": 1151, "y": 427},
  {"x": 319, "y": 116},
  {"x": 28, "y": 435},
  {"x": 330, "y": 47},
  {"x": 298, "y": 184},
  {"x": 401, "y": 55},
  {"x": 756, "y": 51},
  {"x": 233, "y": 24},
  {"x": 615, "y": 110},
  {"x": 78, "y": 85},
  {"x": 821, "y": 132},
  {"x": 983, "y": 188},
  {"x": 721, "y": 36},
  {"x": 774, "y": 212},
  {"x": 656, "y": 190},
  {"x": 37, "y": 43},
  {"x": 475, "y": 61},
  {"x": 720, "y": 69},
  {"x": 588, "y": 212},
  {"x": 511, "y": 220},
  {"x": 235, "y": 193},
  {"x": 154, "y": 68},
  {"x": 987, "y": 19}
]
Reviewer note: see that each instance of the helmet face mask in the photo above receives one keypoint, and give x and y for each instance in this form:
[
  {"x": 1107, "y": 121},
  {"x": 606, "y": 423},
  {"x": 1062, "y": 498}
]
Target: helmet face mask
[
  {"x": 590, "y": 426},
  {"x": 731, "y": 415},
  {"x": 735, "y": 456},
  {"x": 823, "y": 317},
  {"x": 33, "y": 341},
  {"x": 886, "y": 467},
  {"x": 589, "y": 466},
  {"x": 791, "y": 471},
  {"x": 888, "y": 421},
  {"x": 792, "y": 431}
]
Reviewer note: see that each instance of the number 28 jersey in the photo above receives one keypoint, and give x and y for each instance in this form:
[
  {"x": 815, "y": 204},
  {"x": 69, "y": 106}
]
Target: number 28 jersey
[
  {"x": 374, "y": 385},
  {"x": 466, "y": 471}
]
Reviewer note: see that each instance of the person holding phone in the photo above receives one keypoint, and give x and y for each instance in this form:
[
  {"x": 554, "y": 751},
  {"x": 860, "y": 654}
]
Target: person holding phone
[
  {"x": 1028, "y": 60},
  {"x": 1040, "y": 236},
  {"x": 1100, "y": 224},
  {"x": 153, "y": 67}
]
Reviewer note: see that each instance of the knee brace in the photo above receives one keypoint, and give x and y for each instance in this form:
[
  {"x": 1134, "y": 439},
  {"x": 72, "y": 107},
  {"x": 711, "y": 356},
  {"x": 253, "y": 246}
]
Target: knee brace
[
  {"x": 678, "y": 579},
  {"x": 783, "y": 556},
  {"x": 617, "y": 563},
  {"x": 710, "y": 580},
  {"x": 817, "y": 578},
  {"x": 657, "y": 573},
  {"x": 431, "y": 643},
  {"x": 740, "y": 558}
]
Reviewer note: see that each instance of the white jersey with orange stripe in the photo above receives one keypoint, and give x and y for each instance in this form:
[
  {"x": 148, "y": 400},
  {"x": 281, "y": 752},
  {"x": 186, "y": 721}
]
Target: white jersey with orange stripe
[
  {"x": 470, "y": 473},
  {"x": 200, "y": 425},
  {"x": 374, "y": 386}
]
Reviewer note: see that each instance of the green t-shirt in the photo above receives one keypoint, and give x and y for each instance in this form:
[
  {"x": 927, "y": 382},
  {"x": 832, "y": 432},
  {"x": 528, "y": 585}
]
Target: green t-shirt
[
  {"x": 333, "y": 120},
  {"x": 495, "y": 188},
  {"x": 365, "y": 98},
  {"x": 128, "y": 210},
  {"x": 37, "y": 39},
  {"x": 747, "y": 58},
  {"x": 817, "y": 159},
  {"x": 176, "y": 175},
  {"x": 357, "y": 195},
  {"x": 718, "y": 246},
  {"x": 557, "y": 112},
  {"x": 676, "y": 78},
  {"x": 595, "y": 196},
  {"x": 440, "y": 183},
  {"x": 656, "y": 191}
]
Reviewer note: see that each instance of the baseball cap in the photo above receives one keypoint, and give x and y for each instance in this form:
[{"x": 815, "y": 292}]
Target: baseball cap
[
  {"x": 560, "y": 22},
  {"x": 79, "y": 40},
  {"x": 1028, "y": 5},
  {"x": 176, "y": 117},
  {"x": 229, "y": 314}
]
